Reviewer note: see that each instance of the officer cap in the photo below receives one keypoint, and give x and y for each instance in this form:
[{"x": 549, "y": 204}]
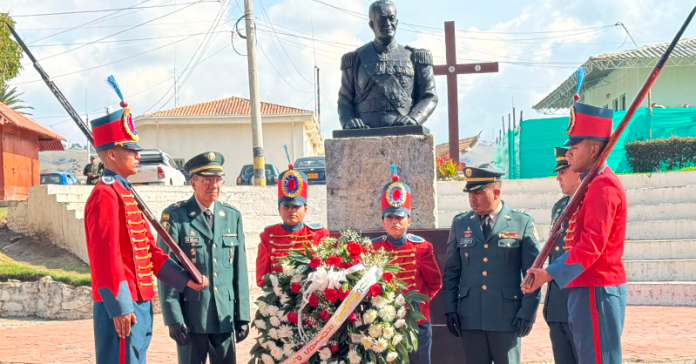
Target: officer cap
[
  {"x": 561, "y": 160},
  {"x": 206, "y": 164},
  {"x": 478, "y": 178}
]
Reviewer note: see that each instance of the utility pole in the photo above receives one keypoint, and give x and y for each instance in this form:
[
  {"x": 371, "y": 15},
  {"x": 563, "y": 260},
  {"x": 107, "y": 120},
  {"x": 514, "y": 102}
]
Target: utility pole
[
  {"x": 89, "y": 147},
  {"x": 256, "y": 128},
  {"x": 318, "y": 99},
  {"x": 176, "y": 89}
]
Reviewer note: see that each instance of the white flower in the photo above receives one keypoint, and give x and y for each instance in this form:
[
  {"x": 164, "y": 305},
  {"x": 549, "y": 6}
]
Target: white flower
[
  {"x": 263, "y": 308},
  {"x": 283, "y": 298},
  {"x": 267, "y": 359},
  {"x": 380, "y": 346},
  {"x": 275, "y": 321},
  {"x": 284, "y": 318},
  {"x": 397, "y": 339},
  {"x": 400, "y": 300},
  {"x": 392, "y": 356},
  {"x": 401, "y": 313},
  {"x": 273, "y": 310},
  {"x": 288, "y": 350},
  {"x": 288, "y": 270},
  {"x": 325, "y": 354},
  {"x": 369, "y": 316},
  {"x": 285, "y": 331},
  {"x": 278, "y": 291},
  {"x": 273, "y": 333},
  {"x": 354, "y": 357},
  {"x": 366, "y": 342},
  {"x": 260, "y": 324},
  {"x": 375, "y": 331},
  {"x": 378, "y": 301},
  {"x": 277, "y": 353},
  {"x": 400, "y": 323},
  {"x": 390, "y": 296},
  {"x": 297, "y": 278},
  {"x": 271, "y": 345},
  {"x": 388, "y": 313},
  {"x": 388, "y": 332}
]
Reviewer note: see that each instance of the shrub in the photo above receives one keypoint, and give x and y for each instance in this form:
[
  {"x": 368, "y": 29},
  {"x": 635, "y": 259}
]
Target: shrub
[
  {"x": 448, "y": 168},
  {"x": 661, "y": 154}
]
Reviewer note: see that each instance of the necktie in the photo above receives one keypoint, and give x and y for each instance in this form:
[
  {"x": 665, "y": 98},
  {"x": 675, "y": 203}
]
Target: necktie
[
  {"x": 209, "y": 217},
  {"x": 487, "y": 226}
]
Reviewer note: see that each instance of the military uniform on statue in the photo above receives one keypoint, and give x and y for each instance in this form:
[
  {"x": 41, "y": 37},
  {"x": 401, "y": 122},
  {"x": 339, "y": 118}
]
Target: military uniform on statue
[
  {"x": 413, "y": 254},
  {"x": 591, "y": 269},
  {"x": 210, "y": 233},
  {"x": 488, "y": 252},
  {"x": 124, "y": 259},
  {"x": 556, "y": 302},
  {"x": 294, "y": 232}
]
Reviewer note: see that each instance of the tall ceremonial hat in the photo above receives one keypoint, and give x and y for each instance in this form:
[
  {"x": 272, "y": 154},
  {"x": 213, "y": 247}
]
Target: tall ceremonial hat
[
  {"x": 396, "y": 196},
  {"x": 478, "y": 178},
  {"x": 116, "y": 129},
  {"x": 587, "y": 121},
  {"x": 561, "y": 159},
  {"x": 292, "y": 185},
  {"x": 206, "y": 164}
]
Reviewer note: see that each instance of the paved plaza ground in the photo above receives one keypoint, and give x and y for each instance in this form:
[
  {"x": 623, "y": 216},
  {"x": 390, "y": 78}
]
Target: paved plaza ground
[{"x": 651, "y": 334}]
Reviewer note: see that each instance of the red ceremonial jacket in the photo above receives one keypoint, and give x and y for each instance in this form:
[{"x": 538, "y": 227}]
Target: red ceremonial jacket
[
  {"x": 123, "y": 256},
  {"x": 276, "y": 241},
  {"x": 419, "y": 269},
  {"x": 595, "y": 236}
]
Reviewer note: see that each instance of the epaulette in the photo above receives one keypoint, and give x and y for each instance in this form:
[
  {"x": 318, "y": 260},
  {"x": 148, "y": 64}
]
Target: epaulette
[
  {"x": 522, "y": 211},
  {"x": 225, "y": 204},
  {"x": 348, "y": 60},
  {"x": 463, "y": 214},
  {"x": 176, "y": 205},
  {"x": 379, "y": 238},
  {"x": 422, "y": 56},
  {"x": 108, "y": 179},
  {"x": 313, "y": 225},
  {"x": 414, "y": 238}
]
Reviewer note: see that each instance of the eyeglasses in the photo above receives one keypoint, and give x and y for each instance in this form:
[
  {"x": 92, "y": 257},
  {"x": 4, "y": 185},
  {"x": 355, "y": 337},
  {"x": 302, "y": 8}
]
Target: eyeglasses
[{"x": 211, "y": 181}]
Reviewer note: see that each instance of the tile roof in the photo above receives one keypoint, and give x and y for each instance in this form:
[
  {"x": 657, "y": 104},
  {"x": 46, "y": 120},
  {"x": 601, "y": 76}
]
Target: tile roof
[
  {"x": 9, "y": 116},
  {"x": 685, "y": 48},
  {"x": 227, "y": 106}
]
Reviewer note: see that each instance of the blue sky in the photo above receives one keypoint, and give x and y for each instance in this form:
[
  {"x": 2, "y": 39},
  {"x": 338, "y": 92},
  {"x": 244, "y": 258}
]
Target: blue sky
[{"x": 538, "y": 42}]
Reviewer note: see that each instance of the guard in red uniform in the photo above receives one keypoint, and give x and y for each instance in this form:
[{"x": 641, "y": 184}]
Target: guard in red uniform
[
  {"x": 591, "y": 268},
  {"x": 123, "y": 256},
  {"x": 294, "y": 232},
  {"x": 413, "y": 254}
]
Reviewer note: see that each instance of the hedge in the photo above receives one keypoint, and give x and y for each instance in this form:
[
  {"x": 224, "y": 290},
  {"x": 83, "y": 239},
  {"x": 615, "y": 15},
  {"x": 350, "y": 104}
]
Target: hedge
[{"x": 661, "y": 154}]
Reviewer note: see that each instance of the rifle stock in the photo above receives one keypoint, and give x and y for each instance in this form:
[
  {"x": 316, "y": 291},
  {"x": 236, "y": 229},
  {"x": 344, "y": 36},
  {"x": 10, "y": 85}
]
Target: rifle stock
[
  {"x": 163, "y": 234},
  {"x": 579, "y": 195}
]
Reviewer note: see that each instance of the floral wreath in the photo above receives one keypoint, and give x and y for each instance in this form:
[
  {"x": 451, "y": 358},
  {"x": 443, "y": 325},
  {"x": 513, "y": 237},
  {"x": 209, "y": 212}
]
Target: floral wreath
[
  {"x": 396, "y": 194},
  {"x": 291, "y": 176}
]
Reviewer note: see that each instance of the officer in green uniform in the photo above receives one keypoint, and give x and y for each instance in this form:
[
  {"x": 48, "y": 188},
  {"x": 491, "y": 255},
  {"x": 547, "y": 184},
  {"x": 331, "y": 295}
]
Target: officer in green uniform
[
  {"x": 92, "y": 171},
  {"x": 556, "y": 301},
  {"x": 488, "y": 252},
  {"x": 210, "y": 233}
]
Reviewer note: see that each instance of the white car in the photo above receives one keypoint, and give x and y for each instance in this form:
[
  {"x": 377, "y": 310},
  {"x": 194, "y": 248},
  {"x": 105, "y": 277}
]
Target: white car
[{"x": 157, "y": 168}]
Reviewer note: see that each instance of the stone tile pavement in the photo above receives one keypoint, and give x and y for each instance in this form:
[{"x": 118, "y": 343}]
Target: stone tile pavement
[{"x": 651, "y": 334}]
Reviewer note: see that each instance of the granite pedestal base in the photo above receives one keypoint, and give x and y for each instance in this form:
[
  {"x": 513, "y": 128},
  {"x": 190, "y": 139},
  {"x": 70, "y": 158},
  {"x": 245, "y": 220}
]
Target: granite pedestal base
[{"x": 358, "y": 168}]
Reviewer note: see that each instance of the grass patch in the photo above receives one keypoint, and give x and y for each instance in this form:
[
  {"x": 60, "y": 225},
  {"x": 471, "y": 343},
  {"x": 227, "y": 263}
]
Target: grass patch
[
  {"x": 3, "y": 213},
  {"x": 11, "y": 269}
]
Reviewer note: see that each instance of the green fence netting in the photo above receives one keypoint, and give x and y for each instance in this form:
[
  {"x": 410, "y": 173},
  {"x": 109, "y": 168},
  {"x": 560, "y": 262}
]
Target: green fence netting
[{"x": 535, "y": 139}]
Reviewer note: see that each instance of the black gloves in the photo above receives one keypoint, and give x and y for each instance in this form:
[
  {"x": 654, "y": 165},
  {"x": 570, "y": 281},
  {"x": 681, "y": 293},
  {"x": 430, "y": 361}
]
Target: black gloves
[
  {"x": 179, "y": 332},
  {"x": 523, "y": 326},
  {"x": 453, "y": 324},
  {"x": 241, "y": 330}
]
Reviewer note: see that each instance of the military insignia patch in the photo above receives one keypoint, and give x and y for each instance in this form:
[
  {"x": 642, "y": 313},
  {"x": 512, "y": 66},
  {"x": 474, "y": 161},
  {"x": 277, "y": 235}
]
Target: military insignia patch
[
  {"x": 468, "y": 172},
  {"x": 192, "y": 233},
  {"x": 211, "y": 156},
  {"x": 509, "y": 235},
  {"x": 165, "y": 225},
  {"x": 165, "y": 216},
  {"x": 193, "y": 213},
  {"x": 536, "y": 235},
  {"x": 221, "y": 213},
  {"x": 507, "y": 217},
  {"x": 228, "y": 235}
]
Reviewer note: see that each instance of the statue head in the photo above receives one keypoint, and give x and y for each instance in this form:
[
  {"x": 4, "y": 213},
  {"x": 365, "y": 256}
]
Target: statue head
[{"x": 383, "y": 20}]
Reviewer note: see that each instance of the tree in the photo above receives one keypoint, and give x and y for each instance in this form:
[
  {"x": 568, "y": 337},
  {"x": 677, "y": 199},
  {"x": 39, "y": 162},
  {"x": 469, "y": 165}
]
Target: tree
[
  {"x": 10, "y": 52},
  {"x": 10, "y": 97}
]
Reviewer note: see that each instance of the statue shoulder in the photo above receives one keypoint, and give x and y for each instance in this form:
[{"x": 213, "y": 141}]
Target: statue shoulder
[
  {"x": 349, "y": 60},
  {"x": 421, "y": 56}
]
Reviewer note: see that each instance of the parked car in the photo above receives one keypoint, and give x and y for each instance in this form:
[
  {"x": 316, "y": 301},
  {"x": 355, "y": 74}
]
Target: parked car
[
  {"x": 157, "y": 168},
  {"x": 314, "y": 168},
  {"x": 59, "y": 178},
  {"x": 246, "y": 175}
]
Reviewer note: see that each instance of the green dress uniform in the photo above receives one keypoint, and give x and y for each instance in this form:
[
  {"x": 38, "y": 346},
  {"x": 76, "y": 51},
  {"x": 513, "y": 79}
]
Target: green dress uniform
[
  {"x": 556, "y": 301},
  {"x": 482, "y": 278},
  {"x": 212, "y": 314}
]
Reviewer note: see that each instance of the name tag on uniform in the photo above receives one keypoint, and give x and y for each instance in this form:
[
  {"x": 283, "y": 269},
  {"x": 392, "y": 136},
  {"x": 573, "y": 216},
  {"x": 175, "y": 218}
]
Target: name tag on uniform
[
  {"x": 508, "y": 235},
  {"x": 227, "y": 235},
  {"x": 192, "y": 240},
  {"x": 466, "y": 241}
]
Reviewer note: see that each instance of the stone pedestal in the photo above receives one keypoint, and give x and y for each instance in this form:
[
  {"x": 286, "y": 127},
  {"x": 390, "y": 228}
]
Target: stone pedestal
[{"x": 358, "y": 168}]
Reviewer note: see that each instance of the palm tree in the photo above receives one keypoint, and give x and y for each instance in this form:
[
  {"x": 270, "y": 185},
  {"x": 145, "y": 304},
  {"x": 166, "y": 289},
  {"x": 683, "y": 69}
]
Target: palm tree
[{"x": 10, "y": 97}]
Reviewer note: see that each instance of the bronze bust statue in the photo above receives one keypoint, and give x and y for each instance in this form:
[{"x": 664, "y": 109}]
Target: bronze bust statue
[{"x": 386, "y": 84}]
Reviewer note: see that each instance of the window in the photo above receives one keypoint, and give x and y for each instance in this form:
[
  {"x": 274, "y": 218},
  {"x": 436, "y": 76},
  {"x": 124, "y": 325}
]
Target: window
[
  {"x": 623, "y": 102},
  {"x": 615, "y": 105},
  {"x": 179, "y": 163}
]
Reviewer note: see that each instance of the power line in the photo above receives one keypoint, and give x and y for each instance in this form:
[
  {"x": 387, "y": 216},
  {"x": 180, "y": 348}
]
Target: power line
[
  {"x": 128, "y": 40},
  {"x": 279, "y": 74},
  {"x": 108, "y": 10}
]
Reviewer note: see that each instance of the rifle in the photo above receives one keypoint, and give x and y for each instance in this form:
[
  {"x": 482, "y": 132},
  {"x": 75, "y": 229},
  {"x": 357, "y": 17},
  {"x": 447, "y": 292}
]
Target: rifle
[
  {"x": 579, "y": 195},
  {"x": 173, "y": 246}
]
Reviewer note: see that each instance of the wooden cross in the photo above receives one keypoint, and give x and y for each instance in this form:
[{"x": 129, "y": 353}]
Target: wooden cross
[{"x": 452, "y": 69}]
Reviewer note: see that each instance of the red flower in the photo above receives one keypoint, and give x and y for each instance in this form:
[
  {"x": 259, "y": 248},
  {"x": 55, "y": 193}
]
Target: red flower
[
  {"x": 325, "y": 315},
  {"x": 313, "y": 300},
  {"x": 292, "y": 317},
  {"x": 295, "y": 287},
  {"x": 352, "y": 317},
  {"x": 310, "y": 321},
  {"x": 354, "y": 248},
  {"x": 354, "y": 256},
  {"x": 342, "y": 294},
  {"x": 334, "y": 261},
  {"x": 315, "y": 262},
  {"x": 331, "y": 294},
  {"x": 345, "y": 265},
  {"x": 375, "y": 289},
  {"x": 356, "y": 261},
  {"x": 388, "y": 276},
  {"x": 333, "y": 348},
  {"x": 281, "y": 254}
]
